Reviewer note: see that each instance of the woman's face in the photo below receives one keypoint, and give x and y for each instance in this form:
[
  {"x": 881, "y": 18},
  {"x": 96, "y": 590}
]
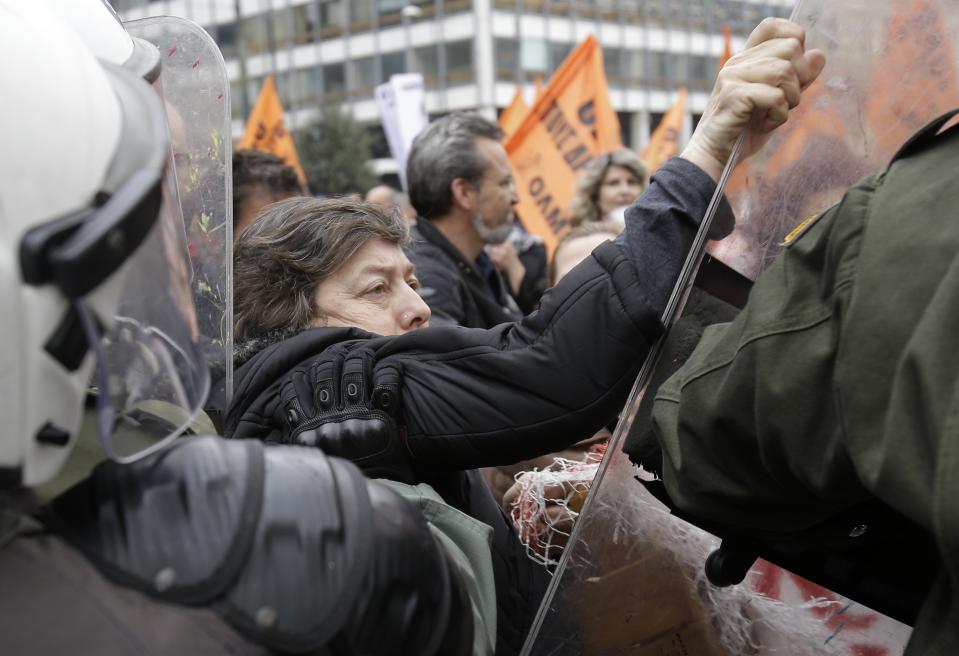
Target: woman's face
[
  {"x": 619, "y": 187},
  {"x": 375, "y": 290}
]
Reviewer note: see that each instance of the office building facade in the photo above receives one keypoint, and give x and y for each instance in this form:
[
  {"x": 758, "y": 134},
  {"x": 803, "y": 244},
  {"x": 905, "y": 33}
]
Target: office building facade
[{"x": 472, "y": 53}]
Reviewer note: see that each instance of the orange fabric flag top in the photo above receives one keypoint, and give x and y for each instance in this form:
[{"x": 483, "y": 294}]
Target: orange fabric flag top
[
  {"x": 664, "y": 141},
  {"x": 727, "y": 47},
  {"x": 266, "y": 130},
  {"x": 915, "y": 77},
  {"x": 570, "y": 122},
  {"x": 513, "y": 115}
]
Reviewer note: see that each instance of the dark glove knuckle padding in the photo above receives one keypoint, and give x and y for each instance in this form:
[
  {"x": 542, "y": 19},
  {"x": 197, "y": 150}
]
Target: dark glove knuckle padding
[{"x": 335, "y": 404}]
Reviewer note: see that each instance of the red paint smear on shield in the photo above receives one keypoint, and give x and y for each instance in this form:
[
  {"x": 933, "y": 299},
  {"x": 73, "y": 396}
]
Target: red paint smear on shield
[{"x": 868, "y": 650}]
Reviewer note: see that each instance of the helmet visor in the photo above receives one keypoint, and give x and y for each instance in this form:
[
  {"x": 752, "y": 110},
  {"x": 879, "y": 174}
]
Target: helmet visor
[{"x": 150, "y": 379}]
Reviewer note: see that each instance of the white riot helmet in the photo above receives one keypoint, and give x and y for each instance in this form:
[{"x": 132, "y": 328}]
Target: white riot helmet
[
  {"x": 99, "y": 27},
  {"x": 194, "y": 85},
  {"x": 93, "y": 270}
]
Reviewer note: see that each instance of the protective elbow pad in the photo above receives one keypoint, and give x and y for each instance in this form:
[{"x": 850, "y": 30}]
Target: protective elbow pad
[
  {"x": 413, "y": 601},
  {"x": 297, "y": 551}
]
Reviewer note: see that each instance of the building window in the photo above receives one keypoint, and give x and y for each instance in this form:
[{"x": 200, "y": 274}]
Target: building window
[
  {"x": 534, "y": 55},
  {"x": 557, "y": 53},
  {"x": 253, "y": 37},
  {"x": 702, "y": 71},
  {"x": 225, "y": 36},
  {"x": 394, "y": 63},
  {"x": 456, "y": 6},
  {"x": 236, "y": 99},
  {"x": 459, "y": 61},
  {"x": 364, "y": 73},
  {"x": 426, "y": 62},
  {"x": 361, "y": 15},
  {"x": 625, "y": 127},
  {"x": 334, "y": 78},
  {"x": 507, "y": 58},
  {"x": 306, "y": 22},
  {"x": 282, "y": 26},
  {"x": 379, "y": 146},
  {"x": 332, "y": 17},
  {"x": 308, "y": 83},
  {"x": 634, "y": 71},
  {"x": 616, "y": 64},
  {"x": 459, "y": 55},
  {"x": 657, "y": 68}
]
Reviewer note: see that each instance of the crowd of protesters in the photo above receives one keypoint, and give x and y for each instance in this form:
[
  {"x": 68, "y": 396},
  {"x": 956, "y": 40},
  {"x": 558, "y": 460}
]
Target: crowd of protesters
[{"x": 401, "y": 359}]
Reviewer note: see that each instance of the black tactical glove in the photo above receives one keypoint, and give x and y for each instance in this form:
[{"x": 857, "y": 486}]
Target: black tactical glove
[{"x": 334, "y": 404}]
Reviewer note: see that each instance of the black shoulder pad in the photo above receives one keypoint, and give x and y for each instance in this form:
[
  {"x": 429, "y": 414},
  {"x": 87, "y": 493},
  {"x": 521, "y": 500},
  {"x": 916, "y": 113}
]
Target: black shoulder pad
[
  {"x": 177, "y": 525},
  {"x": 310, "y": 556}
]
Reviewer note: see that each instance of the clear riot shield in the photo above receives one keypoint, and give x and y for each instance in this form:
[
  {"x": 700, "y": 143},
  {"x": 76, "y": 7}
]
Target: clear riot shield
[
  {"x": 196, "y": 92},
  {"x": 631, "y": 578}
]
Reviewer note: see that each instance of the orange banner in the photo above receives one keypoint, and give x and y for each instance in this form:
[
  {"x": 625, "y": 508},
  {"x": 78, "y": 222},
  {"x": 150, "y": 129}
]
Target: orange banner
[
  {"x": 793, "y": 145},
  {"x": 266, "y": 130},
  {"x": 514, "y": 114},
  {"x": 664, "y": 141},
  {"x": 537, "y": 87},
  {"x": 570, "y": 122},
  {"x": 915, "y": 77},
  {"x": 727, "y": 47}
]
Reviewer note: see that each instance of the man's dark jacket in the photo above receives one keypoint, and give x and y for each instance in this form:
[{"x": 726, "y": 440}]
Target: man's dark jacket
[
  {"x": 453, "y": 286},
  {"x": 464, "y": 398}
]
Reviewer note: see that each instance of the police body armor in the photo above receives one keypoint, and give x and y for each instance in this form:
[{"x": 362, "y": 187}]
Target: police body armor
[{"x": 295, "y": 551}]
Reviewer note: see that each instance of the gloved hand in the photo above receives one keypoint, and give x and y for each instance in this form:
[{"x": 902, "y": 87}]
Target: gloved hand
[{"x": 334, "y": 404}]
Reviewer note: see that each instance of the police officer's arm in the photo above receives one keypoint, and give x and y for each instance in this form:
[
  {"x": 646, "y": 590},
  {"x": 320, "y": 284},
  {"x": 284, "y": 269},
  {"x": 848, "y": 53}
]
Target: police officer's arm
[{"x": 749, "y": 426}]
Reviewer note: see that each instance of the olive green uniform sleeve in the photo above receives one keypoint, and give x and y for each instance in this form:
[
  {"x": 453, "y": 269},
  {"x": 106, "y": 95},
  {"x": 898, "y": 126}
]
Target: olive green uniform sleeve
[
  {"x": 748, "y": 426},
  {"x": 838, "y": 381}
]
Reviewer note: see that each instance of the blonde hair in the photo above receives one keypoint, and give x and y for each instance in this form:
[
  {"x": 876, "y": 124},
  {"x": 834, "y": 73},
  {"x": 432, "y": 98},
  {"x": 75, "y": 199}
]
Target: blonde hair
[{"x": 585, "y": 206}]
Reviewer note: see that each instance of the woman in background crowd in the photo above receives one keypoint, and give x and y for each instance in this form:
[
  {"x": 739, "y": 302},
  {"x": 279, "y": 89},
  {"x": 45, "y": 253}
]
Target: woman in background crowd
[
  {"x": 572, "y": 249},
  {"x": 608, "y": 182}
]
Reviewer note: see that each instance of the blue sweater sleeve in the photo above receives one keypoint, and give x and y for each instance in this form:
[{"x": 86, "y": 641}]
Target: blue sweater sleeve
[{"x": 662, "y": 222}]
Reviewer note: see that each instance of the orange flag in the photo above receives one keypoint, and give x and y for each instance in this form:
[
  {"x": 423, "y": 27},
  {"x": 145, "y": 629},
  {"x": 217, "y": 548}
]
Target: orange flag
[
  {"x": 664, "y": 141},
  {"x": 538, "y": 87},
  {"x": 727, "y": 47},
  {"x": 816, "y": 119},
  {"x": 513, "y": 115},
  {"x": 266, "y": 131},
  {"x": 915, "y": 77},
  {"x": 570, "y": 122}
]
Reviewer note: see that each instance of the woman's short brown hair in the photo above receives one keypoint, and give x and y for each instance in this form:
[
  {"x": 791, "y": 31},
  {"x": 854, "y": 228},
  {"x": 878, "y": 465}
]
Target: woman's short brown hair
[{"x": 279, "y": 260}]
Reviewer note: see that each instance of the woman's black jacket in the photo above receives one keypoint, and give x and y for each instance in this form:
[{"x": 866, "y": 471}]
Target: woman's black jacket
[{"x": 433, "y": 404}]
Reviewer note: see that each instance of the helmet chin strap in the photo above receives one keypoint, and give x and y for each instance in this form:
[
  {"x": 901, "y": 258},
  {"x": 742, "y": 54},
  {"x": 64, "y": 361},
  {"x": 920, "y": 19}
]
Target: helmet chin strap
[{"x": 106, "y": 415}]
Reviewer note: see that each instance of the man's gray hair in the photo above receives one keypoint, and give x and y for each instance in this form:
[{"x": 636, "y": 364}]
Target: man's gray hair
[
  {"x": 443, "y": 151},
  {"x": 279, "y": 260}
]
